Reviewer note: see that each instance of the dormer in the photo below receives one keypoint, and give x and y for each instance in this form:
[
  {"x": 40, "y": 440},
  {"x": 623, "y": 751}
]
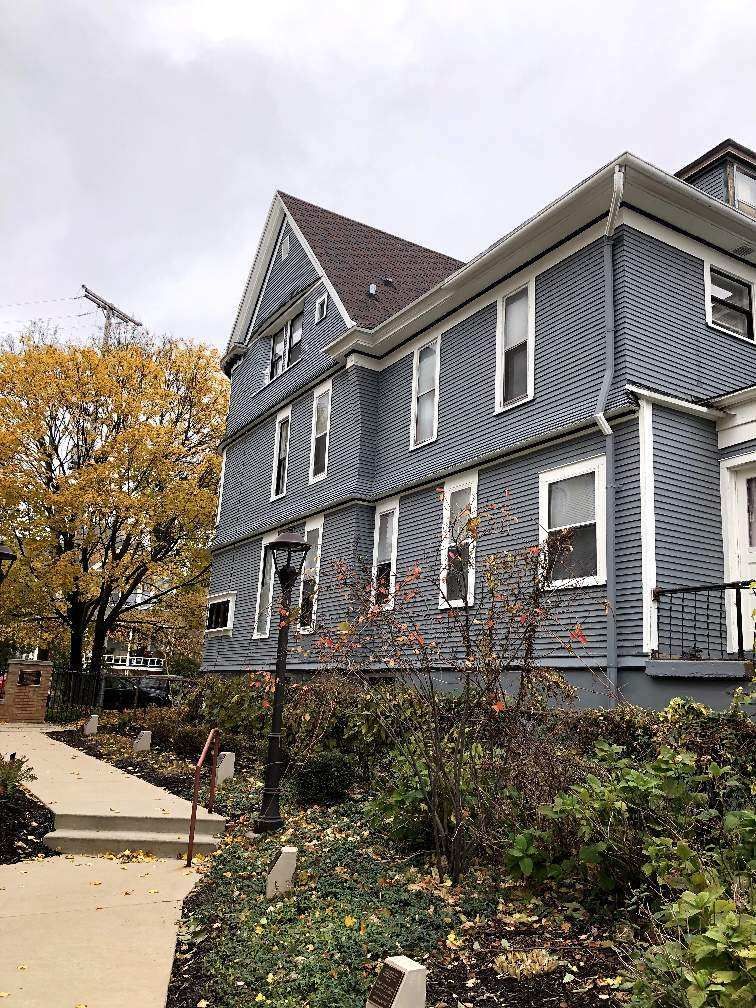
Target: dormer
[{"x": 728, "y": 173}]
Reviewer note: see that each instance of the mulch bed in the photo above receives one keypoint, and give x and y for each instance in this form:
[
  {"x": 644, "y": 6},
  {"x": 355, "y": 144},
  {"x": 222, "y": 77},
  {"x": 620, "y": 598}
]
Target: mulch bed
[
  {"x": 23, "y": 825},
  {"x": 572, "y": 957}
]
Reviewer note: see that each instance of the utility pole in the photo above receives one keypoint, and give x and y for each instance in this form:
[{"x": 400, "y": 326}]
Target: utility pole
[{"x": 109, "y": 311}]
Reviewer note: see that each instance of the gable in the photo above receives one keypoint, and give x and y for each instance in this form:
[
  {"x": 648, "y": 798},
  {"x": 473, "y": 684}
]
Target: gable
[{"x": 286, "y": 277}]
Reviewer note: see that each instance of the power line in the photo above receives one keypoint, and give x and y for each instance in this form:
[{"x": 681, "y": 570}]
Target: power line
[
  {"x": 45, "y": 318},
  {"x": 19, "y": 304}
]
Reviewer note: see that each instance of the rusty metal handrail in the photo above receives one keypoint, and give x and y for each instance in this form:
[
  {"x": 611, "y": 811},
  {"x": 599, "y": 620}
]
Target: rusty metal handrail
[{"x": 213, "y": 739}]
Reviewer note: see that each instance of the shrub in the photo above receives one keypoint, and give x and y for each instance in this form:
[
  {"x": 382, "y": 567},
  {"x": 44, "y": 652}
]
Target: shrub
[
  {"x": 324, "y": 776},
  {"x": 707, "y": 955},
  {"x": 14, "y": 773}
]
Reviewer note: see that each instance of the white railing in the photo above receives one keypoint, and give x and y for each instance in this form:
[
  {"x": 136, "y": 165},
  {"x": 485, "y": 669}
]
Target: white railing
[{"x": 133, "y": 661}]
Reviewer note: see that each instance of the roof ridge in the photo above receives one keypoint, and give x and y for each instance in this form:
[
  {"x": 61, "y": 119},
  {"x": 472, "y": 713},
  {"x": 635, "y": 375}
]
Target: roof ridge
[{"x": 353, "y": 220}]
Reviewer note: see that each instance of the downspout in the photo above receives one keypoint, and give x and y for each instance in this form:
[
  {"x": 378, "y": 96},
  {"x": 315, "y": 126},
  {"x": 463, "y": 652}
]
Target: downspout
[{"x": 606, "y": 429}]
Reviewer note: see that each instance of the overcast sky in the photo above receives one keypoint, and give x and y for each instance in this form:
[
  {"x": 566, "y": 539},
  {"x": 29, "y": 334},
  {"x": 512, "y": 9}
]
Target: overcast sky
[{"x": 143, "y": 140}]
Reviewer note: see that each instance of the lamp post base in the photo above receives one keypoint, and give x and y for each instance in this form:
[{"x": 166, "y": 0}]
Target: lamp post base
[{"x": 264, "y": 825}]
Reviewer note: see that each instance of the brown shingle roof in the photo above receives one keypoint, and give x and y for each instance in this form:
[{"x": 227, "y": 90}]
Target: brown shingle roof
[{"x": 354, "y": 255}]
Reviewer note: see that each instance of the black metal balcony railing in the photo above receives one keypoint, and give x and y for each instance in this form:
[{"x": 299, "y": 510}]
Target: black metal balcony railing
[{"x": 692, "y": 621}]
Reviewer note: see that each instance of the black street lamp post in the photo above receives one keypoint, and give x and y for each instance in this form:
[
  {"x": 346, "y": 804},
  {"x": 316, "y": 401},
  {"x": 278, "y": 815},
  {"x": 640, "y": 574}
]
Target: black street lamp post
[
  {"x": 7, "y": 559},
  {"x": 289, "y": 551}
]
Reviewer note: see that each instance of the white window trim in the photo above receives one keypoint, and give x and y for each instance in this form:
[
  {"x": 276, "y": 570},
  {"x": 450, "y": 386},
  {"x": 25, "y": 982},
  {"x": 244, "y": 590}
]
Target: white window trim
[
  {"x": 597, "y": 466},
  {"x": 500, "y": 405},
  {"x": 285, "y": 245},
  {"x": 268, "y": 538},
  {"x": 322, "y": 301},
  {"x": 738, "y": 275},
  {"x": 325, "y": 387},
  {"x": 312, "y": 523},
  {"x": 383, "y": 508},
  {"x": 459, "y": 482},
  {"x": 286, "y": 328},
  {"x": 413, "y": 418},
  {"x": 729, "y": 469},
  {"x": 225, "y": 631},
  {"x": 284, "y": 414}
]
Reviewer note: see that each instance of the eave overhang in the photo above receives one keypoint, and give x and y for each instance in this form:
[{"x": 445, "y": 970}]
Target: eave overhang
[{"x": 647, "y": 189}]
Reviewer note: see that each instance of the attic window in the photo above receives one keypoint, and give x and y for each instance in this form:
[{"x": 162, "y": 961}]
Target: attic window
[
  {"x": 284, "y": 246},
  {"x": 321, "y": 307}
]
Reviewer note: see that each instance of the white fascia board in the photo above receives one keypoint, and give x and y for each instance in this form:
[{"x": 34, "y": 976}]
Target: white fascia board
[
  {"x": 257, "y": 271},
  {"x": 672, "y": 402},
  {"x": 555, "y": 222},
  {"x": 646, "y": 186},
  {"x": 734, "y": 398}
]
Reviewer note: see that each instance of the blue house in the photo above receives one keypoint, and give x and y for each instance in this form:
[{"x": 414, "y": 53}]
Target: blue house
[{"x": 596, "y": 366}]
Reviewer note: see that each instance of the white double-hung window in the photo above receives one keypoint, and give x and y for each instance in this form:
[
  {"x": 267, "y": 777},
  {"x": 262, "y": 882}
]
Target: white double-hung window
[
  {"x": 384, "y": 552},
  {"x": 730, "y": 303},
  {"x": 281, "y": 454},
  {"x": 308, "y": 598},
  {"x": 286, "y": 346},
  {"x": 425, "y": 376},
  {"x": 265, "y": 588},
  {"x": 515, "y": 342},
  {"x": 321, "y": 425},
  {"x": 457, "y": 586},
  {"x": 572, "y": 518}
]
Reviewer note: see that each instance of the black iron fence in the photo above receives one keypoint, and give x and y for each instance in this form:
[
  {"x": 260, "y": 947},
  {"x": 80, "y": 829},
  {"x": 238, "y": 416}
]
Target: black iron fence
[
  {"x": 692, "y": 621},
  {"x": 73, "y": 695}
]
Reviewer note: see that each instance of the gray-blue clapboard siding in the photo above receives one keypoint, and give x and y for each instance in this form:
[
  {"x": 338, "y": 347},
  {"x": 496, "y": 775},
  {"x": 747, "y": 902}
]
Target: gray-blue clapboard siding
[
  {"x": 663, "y": 340},
  {"x": 713, "y": 182},
  {"x": 689, "y": 547},
  {"x": 286, "y": 278},
  {"x": 253, "y": 395}
]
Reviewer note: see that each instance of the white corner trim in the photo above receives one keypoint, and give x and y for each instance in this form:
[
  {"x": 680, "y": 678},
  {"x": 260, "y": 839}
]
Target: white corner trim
[
  {"x": 596, "y": 465},
  {"x": 648, "y": 526},
  {"x": 220, "y": 487},
  {"x": 672, "y": 402}
]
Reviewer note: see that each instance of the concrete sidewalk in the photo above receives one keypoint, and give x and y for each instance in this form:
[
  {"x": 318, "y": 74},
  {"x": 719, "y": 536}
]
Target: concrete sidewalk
[
  {"x": 99, "y": 808},
  {"x": 80, "y": 931}
]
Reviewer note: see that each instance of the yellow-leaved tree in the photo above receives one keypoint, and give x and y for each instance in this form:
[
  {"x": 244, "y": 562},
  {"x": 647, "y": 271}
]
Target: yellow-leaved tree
[{"x": 109, "y": 473}]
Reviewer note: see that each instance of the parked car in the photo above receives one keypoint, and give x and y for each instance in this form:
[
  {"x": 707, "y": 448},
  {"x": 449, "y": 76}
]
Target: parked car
[{"x": 122, "y": 692}]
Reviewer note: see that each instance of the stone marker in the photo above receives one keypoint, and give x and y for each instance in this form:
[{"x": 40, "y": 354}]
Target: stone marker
[
  {"x": 91, "y": 724},
  {"x": 226, "y": 766},
  {"x": 281, "y": 875},
  {"x": 143, "y": 741},
  {"x": 400, "y": 984}
]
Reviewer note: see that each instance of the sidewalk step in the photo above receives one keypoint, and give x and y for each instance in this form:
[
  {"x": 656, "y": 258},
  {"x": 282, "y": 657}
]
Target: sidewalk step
[
  {"x": 71, "y": 841},
  {"x": 207, "y": 823}
]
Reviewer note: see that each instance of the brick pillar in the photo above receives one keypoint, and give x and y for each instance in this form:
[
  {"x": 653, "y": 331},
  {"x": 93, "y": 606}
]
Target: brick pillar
[{"x": 26, "y": 687}]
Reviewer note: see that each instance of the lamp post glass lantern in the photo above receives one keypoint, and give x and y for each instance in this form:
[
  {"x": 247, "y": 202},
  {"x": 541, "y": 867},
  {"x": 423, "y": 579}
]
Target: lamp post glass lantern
[
  {"x": 7, "y": 559},
  {"x": 288, "y": 551}
]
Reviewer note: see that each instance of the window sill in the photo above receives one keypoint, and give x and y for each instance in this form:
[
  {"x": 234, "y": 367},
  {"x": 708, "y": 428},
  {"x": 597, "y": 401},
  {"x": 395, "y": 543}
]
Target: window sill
[
  {"x": 422, "y": 444},
  {"x": 751, "y": 340},
  {"x": 317, "y": 479},
  {"x": 278, "y": 497},
  {"x": 443, "y": 604},
  {"x": 506, "y": 407},
  {"x": 586, "y": 582},
  {"x": 219, "y": 632}
]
